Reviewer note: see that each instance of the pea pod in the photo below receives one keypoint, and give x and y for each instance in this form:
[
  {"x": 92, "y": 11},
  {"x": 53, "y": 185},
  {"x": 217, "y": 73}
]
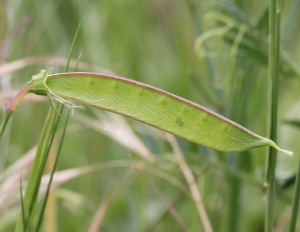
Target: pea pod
[{"x": 149, "y": 105}]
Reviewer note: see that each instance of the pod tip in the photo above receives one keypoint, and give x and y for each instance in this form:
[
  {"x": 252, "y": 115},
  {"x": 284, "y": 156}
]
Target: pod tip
[
  {"x": 271, "y": 143},
  {"x": 284, "y": 151},
  {"x": 287, "y": 152}
]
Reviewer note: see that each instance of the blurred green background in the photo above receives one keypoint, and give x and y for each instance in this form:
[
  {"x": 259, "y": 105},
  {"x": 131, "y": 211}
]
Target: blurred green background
[{"x": 210, "y": 52}]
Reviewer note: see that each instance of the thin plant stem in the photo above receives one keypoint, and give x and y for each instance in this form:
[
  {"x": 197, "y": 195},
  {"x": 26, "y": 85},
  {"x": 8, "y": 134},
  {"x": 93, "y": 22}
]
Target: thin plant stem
[
  {"x": 295, "y": 203},
  {"x": 39, "y": 223},
  {"x": 52, "y": 174},
  {"x": 274, "y": 43},
  {"x": 38, "y": 167},
  {"x": 22, "y": 202},
  {"x": 34, "y": 178},
  {"x": 234, "y": 208},
  {"x": 72, "y": 48}
]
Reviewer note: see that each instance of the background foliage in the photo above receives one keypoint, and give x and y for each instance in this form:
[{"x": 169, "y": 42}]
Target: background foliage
[{"x": 211, "y": 52}]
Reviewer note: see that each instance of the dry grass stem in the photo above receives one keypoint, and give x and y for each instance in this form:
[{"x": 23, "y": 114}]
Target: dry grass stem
[
  {"x": 10, "y": 180},
  {"x": 191, "y": 182},
  {"x": 168, "y": 205},
  {"x": 9, "y": 68},
  {"x": 96, "y": 223}
]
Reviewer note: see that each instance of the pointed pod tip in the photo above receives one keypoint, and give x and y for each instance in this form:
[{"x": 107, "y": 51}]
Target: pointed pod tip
[
  {"x": 284, "y": 151},
  {"x": 273, "y": 144},
  {"x": 287, "y": 152}
]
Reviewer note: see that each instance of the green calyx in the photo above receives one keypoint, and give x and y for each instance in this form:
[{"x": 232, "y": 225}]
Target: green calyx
[
  {"x": 38, "y": 86},
  {"x": 38, "y": 83}
]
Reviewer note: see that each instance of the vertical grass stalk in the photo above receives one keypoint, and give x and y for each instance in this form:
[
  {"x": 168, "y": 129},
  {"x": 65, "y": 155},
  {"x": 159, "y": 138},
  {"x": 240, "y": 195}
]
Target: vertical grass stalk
[
  {"x": 34, "y": 180},
  {"x": 295, "y": 203},
  {"x": 39, "y": 222},
  {"x": 273, "y": 73}
]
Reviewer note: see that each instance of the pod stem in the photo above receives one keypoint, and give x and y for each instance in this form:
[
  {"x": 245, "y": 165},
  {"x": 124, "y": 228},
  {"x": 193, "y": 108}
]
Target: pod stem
[{"x": 12, "y": 106}]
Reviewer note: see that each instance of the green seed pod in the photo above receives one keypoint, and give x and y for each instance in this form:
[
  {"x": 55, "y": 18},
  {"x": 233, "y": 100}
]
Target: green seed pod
[{"x": 149, "y": 105}]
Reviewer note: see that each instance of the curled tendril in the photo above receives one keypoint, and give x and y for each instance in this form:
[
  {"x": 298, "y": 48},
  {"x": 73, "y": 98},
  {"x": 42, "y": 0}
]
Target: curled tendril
[
  {"x": 203, "y": 40},
  {"x": 199, "y": 43},
  {"x": 70, "y": 105}
]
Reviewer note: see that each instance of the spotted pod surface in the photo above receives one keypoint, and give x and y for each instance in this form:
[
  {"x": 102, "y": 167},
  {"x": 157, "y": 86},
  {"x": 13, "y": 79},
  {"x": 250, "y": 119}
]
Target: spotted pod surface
[{"x": 151, "y": 106}]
